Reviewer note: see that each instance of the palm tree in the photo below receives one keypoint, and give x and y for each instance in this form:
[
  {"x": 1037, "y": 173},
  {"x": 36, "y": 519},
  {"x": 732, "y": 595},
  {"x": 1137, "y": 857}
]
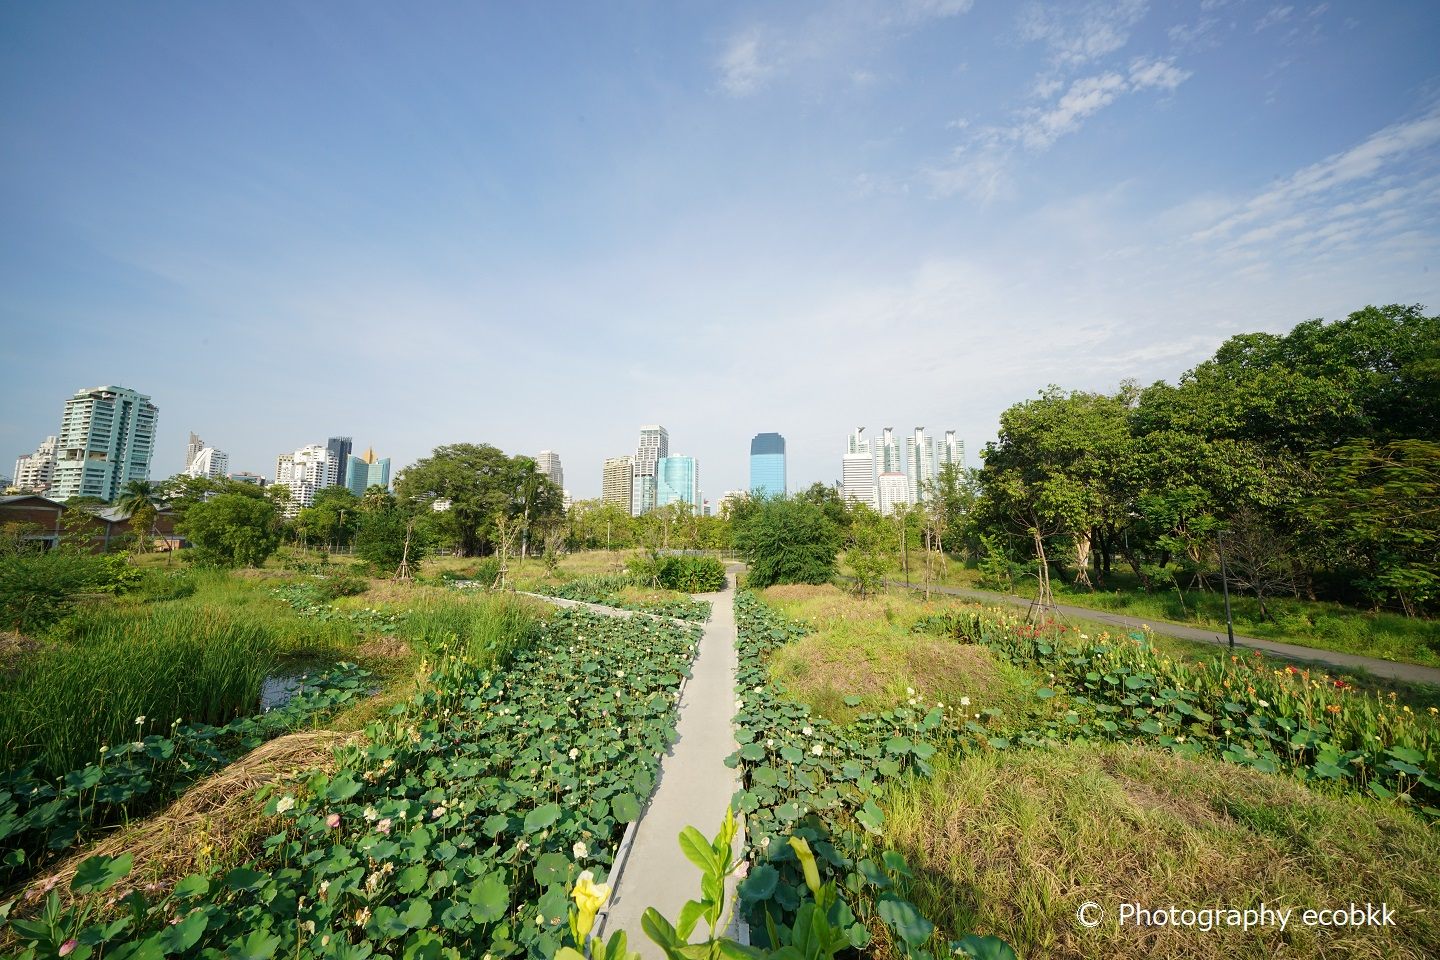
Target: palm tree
[{"x": 141, "y": 501}]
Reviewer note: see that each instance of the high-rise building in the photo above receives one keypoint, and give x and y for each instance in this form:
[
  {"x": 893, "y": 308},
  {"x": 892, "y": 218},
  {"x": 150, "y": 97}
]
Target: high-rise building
[
  {"x": 888, "y": 455},
  {"x": 208, "y": 462},
  {"x": 677, "y": 480},
  {"x": 617, "y": 484},
  {"x": 653, "y": 447},
  {"x": 892, "y": 490},
  {"x": 548, "y": 463},
  {"x": 35, "y": 472},
  {"x": 306, "y": 472},
  {"x": 857, "y": 470},
  {"x": 767, "y": 465},
  {"x": 920, "y": 455},
  {"x": 339, "y": 449},
  {"x": 362, "y": 473},
  {"x": 728, "y": 500},
  {"x": 952, "y": 452},
  {"x": 192, "y": 450},
  {"x": 107, "y": 436}
]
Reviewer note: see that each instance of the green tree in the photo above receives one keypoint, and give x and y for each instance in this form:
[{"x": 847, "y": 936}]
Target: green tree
[
  {"x": 332, "y": 518},
  {"x": 140, "y": 500},
  {"x": 232, "y": 530},
  {"x": 872, "y": 549},
  {"x": 473, "y": 485},
  {"x": 380, "y": 540},
  {"x": 786, "y": 540}
]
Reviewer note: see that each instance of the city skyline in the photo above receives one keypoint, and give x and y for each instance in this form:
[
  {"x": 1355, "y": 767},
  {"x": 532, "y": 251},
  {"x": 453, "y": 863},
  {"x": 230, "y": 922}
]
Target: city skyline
[{"x": 729, "y": 218}]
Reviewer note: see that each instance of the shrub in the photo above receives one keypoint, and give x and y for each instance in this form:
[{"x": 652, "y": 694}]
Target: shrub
[
  {"x": 786, "y": 540},
  {"x": 692, "y": 574},
  {"x": 167, "y": 585},
  {"x": 380, "y": 540},
  {"x": 333, "y": 588},
  {"x": 232, "y": 530},
  {"x": 37, "y": 589}
]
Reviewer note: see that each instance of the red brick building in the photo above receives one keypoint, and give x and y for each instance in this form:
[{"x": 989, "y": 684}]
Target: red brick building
[{"x": 49, "y": 522}]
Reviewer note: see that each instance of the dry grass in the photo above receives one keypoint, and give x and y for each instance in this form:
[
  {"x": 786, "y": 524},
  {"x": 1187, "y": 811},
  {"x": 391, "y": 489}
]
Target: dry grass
[
  {"x": 1011, "y": 843},
  {"x": 217, "y": 821}
]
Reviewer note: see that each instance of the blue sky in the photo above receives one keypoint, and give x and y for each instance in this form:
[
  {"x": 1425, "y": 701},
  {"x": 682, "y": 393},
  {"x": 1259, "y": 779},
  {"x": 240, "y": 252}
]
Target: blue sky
[{"x": 543, "y": 225}]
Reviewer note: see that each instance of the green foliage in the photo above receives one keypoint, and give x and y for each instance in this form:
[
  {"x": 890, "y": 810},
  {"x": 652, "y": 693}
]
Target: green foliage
[
  {"x": 606, "y": 590},
  {"x": 380, "y": 540},
  {"x": 786, "y": 540},
  {"x": 480, "y": 483},
  {"x": 332, "y": 518},
  {"x": 43, "y": 808},
  {"x": 232, "y": 530},
  {"x": 683, "y": 573},
  {"x": 38, "y": 588},
  {"x": 872, "y": 550},
  {"x": 458, "y": 826}
]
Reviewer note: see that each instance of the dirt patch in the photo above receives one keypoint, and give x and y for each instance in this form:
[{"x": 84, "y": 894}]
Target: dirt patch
[
  {"x": 383, "y": 648},
  {"x": 13, "y": 647},
  {"x": 216, "y": 820}
]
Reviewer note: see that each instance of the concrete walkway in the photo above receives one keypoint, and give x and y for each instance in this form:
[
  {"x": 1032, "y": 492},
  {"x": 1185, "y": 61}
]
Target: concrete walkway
[
  {"x": 694, "y": 790},
  {"x": 1407, "y": 672}
]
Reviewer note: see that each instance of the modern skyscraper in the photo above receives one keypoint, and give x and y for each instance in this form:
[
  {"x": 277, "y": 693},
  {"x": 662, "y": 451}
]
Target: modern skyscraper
[
  {"x": 208, "y": 462},
  {"x": 857, "y": 470},
  {"x": 892, "y": 490},
  {"x": 35, "y": 472},
  {"x": 339, "y": 448},
  {"x": 192, "y": 450},
  {"x": 920, "y": 455},
  {"x": 677, "y": 480},
  {"x": 548, "y": 463},
  {"x": 654, "y": 446},
  {"x": 306, "y": 472},
  {"x": 107, "y": 436},
  {"x": 952, "y": 452},
  {"x": 888, "y": 458},
  {"x": 617, "y": 485},
  {"x": 767, "y": 465},
  {"x": 362, "y": 473}
]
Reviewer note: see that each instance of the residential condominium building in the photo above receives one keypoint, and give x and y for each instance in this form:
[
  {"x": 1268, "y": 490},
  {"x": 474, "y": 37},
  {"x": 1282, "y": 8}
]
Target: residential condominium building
[
  {"x": 548, "y": 463},
  {"x": 617, "y": 484},
  {"x": 677, "y": 480},
  {"x": 306, "y": 472},
  {"x": 107, "y": 436},
  {"x": 653, "y": 447},
  {"x": 857, "y": 470},
  {"x": 208, "y": 462},
  {"x": 192, "y": 450},
  {"x": 920, "y": 456},
  {"x": 952, "y": 452},
  {"x": 888, "y": 454},
  {"x": 892, "y": 490},
  {"x": 35, "y": 472},
  {"x": 362, "y": 473},
  {"x": 767, "y": 465}
]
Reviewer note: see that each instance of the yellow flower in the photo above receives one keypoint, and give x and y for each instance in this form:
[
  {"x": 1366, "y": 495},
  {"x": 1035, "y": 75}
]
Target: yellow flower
[
  {"x": 588, "y": 896},
  {"x": 807, "y": 863}
]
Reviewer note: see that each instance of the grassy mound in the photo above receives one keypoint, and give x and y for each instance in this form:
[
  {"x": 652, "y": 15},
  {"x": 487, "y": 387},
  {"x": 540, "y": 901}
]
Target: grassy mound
[{"x": 1013, "y": 842}]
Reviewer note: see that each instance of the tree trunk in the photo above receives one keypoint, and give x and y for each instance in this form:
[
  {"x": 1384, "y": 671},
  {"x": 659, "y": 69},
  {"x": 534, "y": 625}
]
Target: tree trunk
[{"x": 1082, "y": 559}]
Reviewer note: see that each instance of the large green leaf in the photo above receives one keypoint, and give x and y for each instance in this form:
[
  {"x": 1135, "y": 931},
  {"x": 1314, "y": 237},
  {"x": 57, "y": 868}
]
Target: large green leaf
[
  {"x": 905, "y": 919},
  {"x": 625, "y": 807},
  {"x": 541, "y": 817},
  {"x": 96, "y": 874}
]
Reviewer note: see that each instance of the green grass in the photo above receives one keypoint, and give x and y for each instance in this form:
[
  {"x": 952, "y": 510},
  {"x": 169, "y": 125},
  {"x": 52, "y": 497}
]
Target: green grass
[
  {"x": 1319, "y": 624},
  {"x": 1011, "y": 843},
  {"x": 201, "y": 658}
]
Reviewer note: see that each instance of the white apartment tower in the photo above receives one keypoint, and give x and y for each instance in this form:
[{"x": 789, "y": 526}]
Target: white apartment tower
[
  {"x": 920, "y": 455},
  {"x": 618, "y": 484},
  {"x": 192, "y": 450},
  {"x": 548, "y": 463},
  {"x": 892, "y": 490},
  {"x": 208, "y": 462},
  {"x": 107, "y": 435},
  {"x": 306, "y": 472},
  {"x": 952, "y": 452},
  {"x": 35, "y": 472},
  {"x": 857, "y": 470},
  {"x": 654, "y": 445}
]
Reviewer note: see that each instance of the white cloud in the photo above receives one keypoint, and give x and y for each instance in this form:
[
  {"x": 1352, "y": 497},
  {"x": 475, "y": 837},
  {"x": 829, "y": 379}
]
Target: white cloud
[
  {"x": 1080, "y": 33},
  {"x": 743, "y": 69},
  {"x": 1273, "y": 16}
]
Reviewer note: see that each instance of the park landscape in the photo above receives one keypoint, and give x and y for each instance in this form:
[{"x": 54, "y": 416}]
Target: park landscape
[{"x": 470, "y": 708}]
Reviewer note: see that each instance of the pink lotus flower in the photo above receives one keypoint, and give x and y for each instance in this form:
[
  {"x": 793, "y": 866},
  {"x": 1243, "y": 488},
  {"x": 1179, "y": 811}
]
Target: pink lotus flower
[
  {"x": 332, "y": 821},
  {"x": 384, "y": 826},
  {"x": 67, "y": 948}
]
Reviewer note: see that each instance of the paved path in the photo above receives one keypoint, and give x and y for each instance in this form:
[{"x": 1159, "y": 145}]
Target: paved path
[
  {"x": 1408, "y": 672},
  {"x": 694, "y": 790}
]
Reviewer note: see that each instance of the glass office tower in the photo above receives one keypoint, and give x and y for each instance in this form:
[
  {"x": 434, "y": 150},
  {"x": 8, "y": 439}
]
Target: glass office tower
[{"x": 767, "y": 465}]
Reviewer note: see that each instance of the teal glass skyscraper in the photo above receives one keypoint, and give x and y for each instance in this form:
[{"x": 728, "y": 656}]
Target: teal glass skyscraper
[
  {"x": 677, "y": 480},
  {"x": 767, "y": 465}
]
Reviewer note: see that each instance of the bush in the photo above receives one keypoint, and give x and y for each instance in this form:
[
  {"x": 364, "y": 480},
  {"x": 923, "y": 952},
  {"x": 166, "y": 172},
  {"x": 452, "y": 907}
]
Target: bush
[
  {"x": 380, "y": 541},
  {"x": 170, "y": 585},
  {"x": 333, "y": 588},
  {"x": 692, "y": 574},
  {"x": 786, "y": 540},
  {"x": 232, "y": 530},
  {"x": 38, "y": 588}
]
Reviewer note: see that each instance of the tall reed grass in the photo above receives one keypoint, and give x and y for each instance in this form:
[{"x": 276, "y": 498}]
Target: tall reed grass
[{"x": 485, "y": 629}]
